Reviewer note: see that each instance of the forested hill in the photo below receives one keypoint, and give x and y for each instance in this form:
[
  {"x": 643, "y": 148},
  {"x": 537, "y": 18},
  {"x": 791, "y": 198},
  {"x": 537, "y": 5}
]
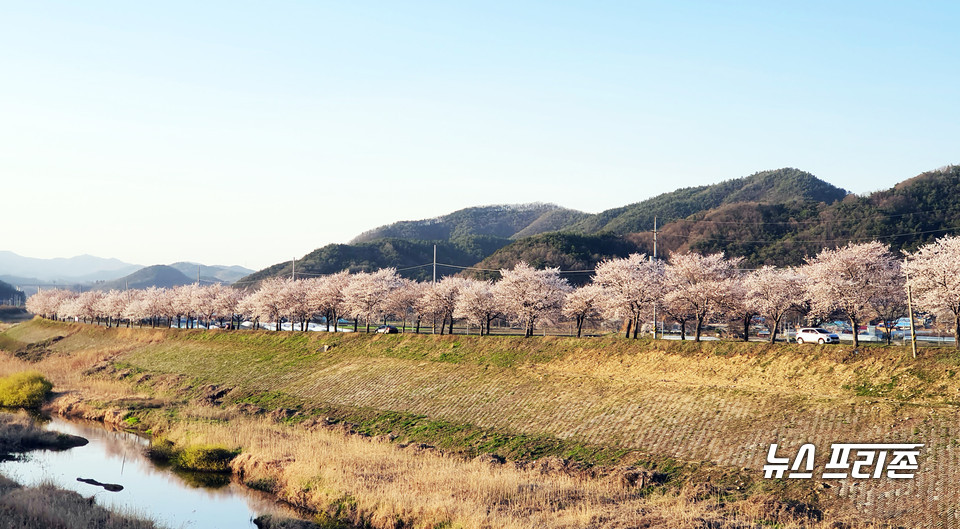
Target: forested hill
[
  {"x": 773, "y": 217},
  {"x": 503, "y": 221},
  {"x": 906, "y": 216},
  {"x": 152, "y": 276},
  {"x": 780, "y": 186},
  {"x": 408, "y": 256},
  {"x": 10, "y": 295}
]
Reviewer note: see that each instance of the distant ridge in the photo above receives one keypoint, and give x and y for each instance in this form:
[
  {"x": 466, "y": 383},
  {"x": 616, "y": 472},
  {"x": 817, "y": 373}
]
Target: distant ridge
[
  {"x": 775, "y": 217},
  {"x": 162, "y": 276},
  {"x": 502, "y": 221},
  {"x": 787, "y": 185}
]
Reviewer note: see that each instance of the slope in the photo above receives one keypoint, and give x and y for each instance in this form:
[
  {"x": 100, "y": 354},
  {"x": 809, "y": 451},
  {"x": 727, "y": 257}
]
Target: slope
[
  {"x": 152, "y": 276},
  {"x": 572, "y": 253},
  {"x": 779, "y": 186},
  {"x": 502, "y": 221},
  {"x": 409, "y": 256}
]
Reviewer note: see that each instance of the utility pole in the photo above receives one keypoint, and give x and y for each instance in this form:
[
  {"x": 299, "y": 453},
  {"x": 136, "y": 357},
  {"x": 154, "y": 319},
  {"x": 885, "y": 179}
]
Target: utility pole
[
  {"x": 434, "y": 263},
  {"x": 293, "y": 271},
  {"x": 654, "y": 237},
  {"x": 654, "y": 260},
  {"x": 198, "y": 275},
  {"x": 913, "y": 331}
]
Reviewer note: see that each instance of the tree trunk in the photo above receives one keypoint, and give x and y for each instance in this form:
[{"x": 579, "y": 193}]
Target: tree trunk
[
  {"x": 747, "y": 318},
  {"x": 636, "y": 325},
  {"x": 956, "y": 332},
  {"x": 629, "y": 324},
  {"x": 451, "y": 325},
  {"x": 696, "y": 336},
  {"x": 580, "y": 325},
  {"x": 773, "y": 331},
  {"x": 856, "y": 332},
  {"x": 355, "y": 322},
  {"x": 417, "y": 330}
]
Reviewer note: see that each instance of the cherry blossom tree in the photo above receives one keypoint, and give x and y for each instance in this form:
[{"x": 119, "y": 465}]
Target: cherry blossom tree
[
  {"x": 366, "y": 294},
  {"x": 774, "y": 292},
  {"x": 583, "y": 303},
  {"x": 46, "y": 303},
  {"x": 934, "y": 278},
  {"x": 326, "y": 295},
  {"x": 401, "y": 300},
  {"x": 440, "y": 300},
  {"x": 527, "y": 294},
  {"x": 696, "y": 284},
  {"x": 630, "y": 285},
  {"x": 849, "y": 280},
  {"x": 737, "y": 305},
  {"x": 476, "y": 304}
]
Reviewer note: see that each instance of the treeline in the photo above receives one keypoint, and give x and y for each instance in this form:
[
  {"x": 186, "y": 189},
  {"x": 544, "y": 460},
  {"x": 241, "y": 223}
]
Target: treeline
[{"x": 860, "y": 282}]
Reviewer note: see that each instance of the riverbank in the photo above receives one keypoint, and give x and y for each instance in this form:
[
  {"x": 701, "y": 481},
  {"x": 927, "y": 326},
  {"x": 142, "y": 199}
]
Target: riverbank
[
  {"x": 500, "y": 432},
  {"x": 46, "y": 505}
]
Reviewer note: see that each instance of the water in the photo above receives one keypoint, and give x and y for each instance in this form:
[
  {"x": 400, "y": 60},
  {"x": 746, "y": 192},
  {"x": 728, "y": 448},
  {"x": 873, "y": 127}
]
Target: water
[{"x": 171, "y": 499}]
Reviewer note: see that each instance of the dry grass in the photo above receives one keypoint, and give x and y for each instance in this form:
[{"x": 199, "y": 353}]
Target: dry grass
[
  {"x": 373, "y": 481},
  {"x": 720, "y": 403},
  {"x": 51, "y": 508}
]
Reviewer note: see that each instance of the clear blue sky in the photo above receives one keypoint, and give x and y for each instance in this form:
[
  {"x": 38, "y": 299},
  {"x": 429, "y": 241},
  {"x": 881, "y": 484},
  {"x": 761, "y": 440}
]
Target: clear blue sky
[{"x": 253, "y": 132}]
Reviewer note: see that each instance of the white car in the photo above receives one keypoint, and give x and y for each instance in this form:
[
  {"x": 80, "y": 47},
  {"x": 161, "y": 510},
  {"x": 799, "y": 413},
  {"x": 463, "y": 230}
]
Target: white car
[{"x": 816, "y": 335}]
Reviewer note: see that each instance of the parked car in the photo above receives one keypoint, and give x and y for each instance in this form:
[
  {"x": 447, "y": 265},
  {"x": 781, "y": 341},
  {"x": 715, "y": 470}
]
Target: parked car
[
  {"x": 387, "y": 329},
  {"x": 816, "y": 335}
]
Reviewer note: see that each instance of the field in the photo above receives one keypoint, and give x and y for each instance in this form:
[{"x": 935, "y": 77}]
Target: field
[{"x": 697, "y": 419}]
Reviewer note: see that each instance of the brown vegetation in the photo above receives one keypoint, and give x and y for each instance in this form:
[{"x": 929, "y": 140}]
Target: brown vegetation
[{"x": 568, "y": 404}]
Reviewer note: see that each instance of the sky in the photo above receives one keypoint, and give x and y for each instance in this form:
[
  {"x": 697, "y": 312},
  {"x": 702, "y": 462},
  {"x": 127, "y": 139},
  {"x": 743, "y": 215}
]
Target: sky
[{"x": 254, "y": 132}]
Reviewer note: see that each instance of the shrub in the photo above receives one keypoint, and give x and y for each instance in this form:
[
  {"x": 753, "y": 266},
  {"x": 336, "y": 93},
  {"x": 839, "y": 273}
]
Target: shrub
[
  {"x": 24, "y": 390},
  {"x": 205, "y": 458}
]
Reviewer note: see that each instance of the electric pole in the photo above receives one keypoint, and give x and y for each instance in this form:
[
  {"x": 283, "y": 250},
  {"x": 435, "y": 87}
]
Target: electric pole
[{"x": 913, "y": 332}]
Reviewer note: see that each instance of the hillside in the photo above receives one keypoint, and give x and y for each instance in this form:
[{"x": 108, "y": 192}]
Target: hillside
[
  {"x": 152, "y": 276},
  {"x": 779, "y": 186},
  {"x": 773, "y": 217},
  {"x": 607, "y": 401},
  {"x": 408, "y": 256},
  {"x": 912, "y": 213},
  {"x": 568, "y": 251},
  {"x": 223, "y": 274},
  {"x": 9, "y": 295},
  {"x": 501, "y": 221}
]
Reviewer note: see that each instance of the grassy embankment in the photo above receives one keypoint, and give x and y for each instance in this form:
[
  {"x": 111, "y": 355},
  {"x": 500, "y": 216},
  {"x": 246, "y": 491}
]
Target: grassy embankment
[{"x": 692, "y": 420}]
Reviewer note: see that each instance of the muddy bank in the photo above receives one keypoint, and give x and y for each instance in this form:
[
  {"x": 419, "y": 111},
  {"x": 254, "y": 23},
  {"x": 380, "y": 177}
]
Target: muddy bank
[{"x": 18, "y": 434}]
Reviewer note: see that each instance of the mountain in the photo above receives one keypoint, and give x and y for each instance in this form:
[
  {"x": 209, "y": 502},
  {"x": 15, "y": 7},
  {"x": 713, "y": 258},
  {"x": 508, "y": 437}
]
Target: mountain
[
  {"x": 73, "y": 269},
  {"x": 912, "y": 213},
  {"x": 412, "y": 258},
  {"x": 780, "y": 186},
  {"x": 9, "y": 295},
  {"x": 215, "y": 273},
  {"x": 777, "y": 217},
  {"x": 573, "y": 253},
  {"x": 152, "y": 276},
  {"x": 501, "y": 221}
]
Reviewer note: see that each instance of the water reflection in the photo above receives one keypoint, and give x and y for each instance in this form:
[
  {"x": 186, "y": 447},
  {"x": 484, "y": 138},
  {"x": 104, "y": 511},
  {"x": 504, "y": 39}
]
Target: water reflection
[{"x": 174, "y": 500}]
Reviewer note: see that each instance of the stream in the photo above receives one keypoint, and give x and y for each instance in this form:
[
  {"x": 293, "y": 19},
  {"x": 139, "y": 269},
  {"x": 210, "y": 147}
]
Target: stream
[{"x": 173, "y": 500}]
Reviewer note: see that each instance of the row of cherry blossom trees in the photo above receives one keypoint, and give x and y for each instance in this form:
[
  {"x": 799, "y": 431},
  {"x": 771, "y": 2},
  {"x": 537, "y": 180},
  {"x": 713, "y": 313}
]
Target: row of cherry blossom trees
[{"x": 860, "y": 282}]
